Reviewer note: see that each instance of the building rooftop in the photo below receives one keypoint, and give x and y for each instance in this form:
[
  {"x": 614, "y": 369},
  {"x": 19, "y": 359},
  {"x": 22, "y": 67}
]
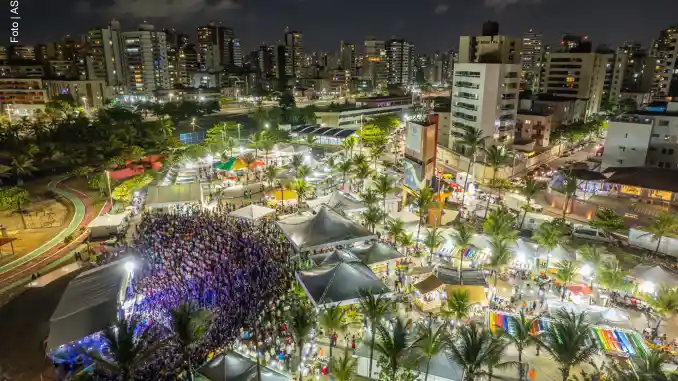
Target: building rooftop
[
  {"x": 552, "y": 98},
  {"x": 644, "y": 177},
  {"x": 533, "y": 112}
]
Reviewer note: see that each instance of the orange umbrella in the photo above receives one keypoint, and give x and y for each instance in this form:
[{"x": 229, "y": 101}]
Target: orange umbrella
[{"x": 257, "y": 163}]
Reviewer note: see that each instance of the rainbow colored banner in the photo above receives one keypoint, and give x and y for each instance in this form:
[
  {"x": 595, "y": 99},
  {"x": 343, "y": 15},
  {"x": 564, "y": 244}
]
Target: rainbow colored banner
[{"x": 619, "y": 341}]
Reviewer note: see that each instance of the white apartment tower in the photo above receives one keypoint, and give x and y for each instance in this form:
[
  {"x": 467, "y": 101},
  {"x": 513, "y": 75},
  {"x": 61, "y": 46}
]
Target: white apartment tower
[
  {"x": 104, "y": 59},
  {"x": 399, "y": 62},
  {"x": 146, "y": 60},
  {"x": 665, "y": 51},
  {"x": 485, "y": 97},
  {"x": 491, "y": 49}
]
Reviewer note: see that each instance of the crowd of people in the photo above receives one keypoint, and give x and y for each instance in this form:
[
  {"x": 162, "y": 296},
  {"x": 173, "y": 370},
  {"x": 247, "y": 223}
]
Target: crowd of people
[{"x": 231, "y": 266}]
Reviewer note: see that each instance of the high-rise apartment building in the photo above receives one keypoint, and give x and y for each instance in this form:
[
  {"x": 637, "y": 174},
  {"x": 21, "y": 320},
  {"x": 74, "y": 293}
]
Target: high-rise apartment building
[
  {"x": 145, "y": 60},
  {"x": 348, "y": 57},
  {"x": 217, "y": 47},
  {"x": 530, "y": 60},
  {"x": 294, "y": 57},
  {"x": 229, "y": 45},
  {"x": 665, "y": 51},
  {"x": 576, "y": 75},
  {"x": 266, "y": 63},
  {"x": 375, "y": 63},
  {"x": 104, "y": 59},
  {"x": 22, "y": 52},
  {"x": 632, "y": 74},
  {"x": 490, "y": 49},
  {"x": 485, "y": 96},
  {"x": 399, "y": 62}
]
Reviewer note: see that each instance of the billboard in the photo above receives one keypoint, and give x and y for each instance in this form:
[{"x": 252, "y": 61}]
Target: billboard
[
  {"x": 414, "y": 175},
  {"x": 414, "y": 140}
]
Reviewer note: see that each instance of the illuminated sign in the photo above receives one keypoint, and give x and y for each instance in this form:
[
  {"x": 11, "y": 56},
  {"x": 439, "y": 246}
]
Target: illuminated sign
[
  {"x": 662, "y": 195},
  {"x": 633, "y": 191}
]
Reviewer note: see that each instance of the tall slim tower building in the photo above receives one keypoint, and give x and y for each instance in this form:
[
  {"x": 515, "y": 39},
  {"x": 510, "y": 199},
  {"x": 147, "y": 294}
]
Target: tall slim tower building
[
  {"x": 374, "y": 62},
  {"x": 399, "y": 62},
  {"x": 104, "y": 60},
  {"x": 665, "y": 51},
  {"x": 347, "y": 57},
  {"x": 266, "y": 63},
  {"x": 530, "y": 60},
  {"x": 294, "y": 44},
  {"x": 146, "y": 60}
]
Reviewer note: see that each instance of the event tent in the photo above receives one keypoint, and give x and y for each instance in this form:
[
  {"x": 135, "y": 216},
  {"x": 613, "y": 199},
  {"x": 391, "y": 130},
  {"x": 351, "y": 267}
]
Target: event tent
[
  {"x": 233, "y": 366},
  {"x": 164, "y": 196},
  {"x": 375, "y": 253},
  {"x": 339, "y": 284},
  {"x": 106, "y": 225},
  {"x": 89, "y": 305},
  {"x": 615, "y": 316},
  {"x": 333, "y": 257},
  {"x": 655, "y": 274},
  {"x": 252, "y": 212},
  {"x": 326, "y": 228},
  {"x": 406, "y": 216},
  {"x": 337, "y": 200}
]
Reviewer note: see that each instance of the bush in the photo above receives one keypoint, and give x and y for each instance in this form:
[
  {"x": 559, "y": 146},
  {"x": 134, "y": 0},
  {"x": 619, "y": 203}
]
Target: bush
[{"x": 68, "y": 239}]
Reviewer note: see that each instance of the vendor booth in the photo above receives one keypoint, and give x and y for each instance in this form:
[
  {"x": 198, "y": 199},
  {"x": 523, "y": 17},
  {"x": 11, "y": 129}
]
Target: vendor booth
[
  {"x": 326, "y": 228},
  {"x": 92, "y": 302},
  {"x": 472, "y": 281},
  {"x": 232, "y": 366},
  {"x": 379, "y": 256},
  {"x": 339, "y": 284},
  {"x": 107, "y": 225},
  {"x": 650, "y": 278},
  {"x": 429, "y": 294}
]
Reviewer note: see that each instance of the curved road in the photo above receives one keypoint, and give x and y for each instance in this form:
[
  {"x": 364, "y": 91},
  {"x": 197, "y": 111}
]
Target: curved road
[{"x": 52, "y": 252}]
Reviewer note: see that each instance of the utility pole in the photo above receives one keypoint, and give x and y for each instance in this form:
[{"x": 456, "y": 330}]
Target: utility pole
[{"x": 108, "y": 180}]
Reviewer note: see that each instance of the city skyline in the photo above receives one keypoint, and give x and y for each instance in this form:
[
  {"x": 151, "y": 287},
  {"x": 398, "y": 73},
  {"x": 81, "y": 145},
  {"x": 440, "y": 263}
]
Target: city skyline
[{"x": 431, "y": 24}]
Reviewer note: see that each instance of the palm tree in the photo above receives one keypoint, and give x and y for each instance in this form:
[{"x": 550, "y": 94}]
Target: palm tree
[
  {"x": 361, "y": 171},
  {"x": 375, "y": 153},
  {"x": 609, "y": 221},
  {"x": 5, "y": 172},
  {"x": 462, "y": 237},
  {"x": 359, "y": 160},
  {"x": 664, "y": 304},
  {"x": 614, "y": 279},
  {"x": 494, "y": 360},
  {"x": 374, "y": 308},
  {"x": 189, "y": 326},
  {"x": 569, "y": 341},
  {"x": 370, "y": 197},
  {"x": 597, "y": 257},
  {"x": 23, "y": 166},
  {"x": 458, "y": 305},
  {"x": 395, "y": 228},
  {"x": 496, "y": 157},
  {"x": 267, "y": 145},
  {"x": 521, "y": 337},
  {"x": 644, "y": 367},
  {"x": 127, "y": 349},
  {"x": 270, "y": 174},
  {"x": 394, "y": 344},
  {"x": 430, "y": 342},
  {"x": 301, "y": 187},
  {"x": 424, "y": 199},
  {"x": 500, "y": 257},
  {"x": 530, "y": 189},
  {"x": 566, "y": 273},
  {"x": 499, "y": 224},
  {"x": 433, "y": 239},
  {"x": 472, "y": 350},
  {"x": 569, "y": 188},
  {"x": 343, "y": 368},
  {"x": 371, "y": 217},
  {"x": 548, "y": 236},
  {"x": 301, "y": 321},
  {"x": 348, "y": 144},
  {"x": 345, "y": 167},
  {"x": 257, "y": 140},
  {"x": 333, "y": 320},
  {"x": 297, "y": 161},
  {"x": 660, "y": 227},
  {"x": 406, "y": 240},
  {"x": 303, "y": 170},
  {"x": 384, "y": 186},
  {"x": 472, "y": 139}
]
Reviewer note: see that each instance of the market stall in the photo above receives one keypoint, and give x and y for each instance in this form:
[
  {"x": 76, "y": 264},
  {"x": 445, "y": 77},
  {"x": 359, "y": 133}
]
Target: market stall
[
  {"x": 252, "y": 212},
  {"x": 338, "y": 201},
  {"x": 429, "y": 294}
]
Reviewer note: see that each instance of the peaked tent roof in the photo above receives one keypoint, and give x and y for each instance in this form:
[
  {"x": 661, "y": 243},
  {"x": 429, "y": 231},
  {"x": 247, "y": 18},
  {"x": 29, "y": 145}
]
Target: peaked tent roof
[
  {"x": 406, "y": 216},
  {"x": 89, "y": 305},
  {"x": 252, "y": 212},
  {"x": 471, "y": 277},
  {"x": 233, "y": 366},
  {"x": 173, "y": 194},
  {"x": 429, "y": 284},
  {"x": 656, "y": 274},
  {"x": 339, "y": 284},
  {"x": 337, "y": 200},
  {"x": 333, "y": 257},
  {"x": 324, "y": 229},
  {"x": 375, "y": 253}
]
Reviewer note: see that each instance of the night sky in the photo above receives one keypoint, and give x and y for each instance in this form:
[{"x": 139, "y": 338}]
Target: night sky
[{"x": 430, "y": 24}]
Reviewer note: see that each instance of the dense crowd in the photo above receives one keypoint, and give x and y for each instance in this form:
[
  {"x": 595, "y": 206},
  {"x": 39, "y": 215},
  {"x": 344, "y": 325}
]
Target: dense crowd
[{"x": 230, "y": 266}]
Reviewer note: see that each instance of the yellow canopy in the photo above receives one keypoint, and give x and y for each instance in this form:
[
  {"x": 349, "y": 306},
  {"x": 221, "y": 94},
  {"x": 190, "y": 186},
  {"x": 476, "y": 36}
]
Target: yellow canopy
[
  {"x": 284, "y": 195},
  {"x": 476, "y": 294},
  {"x": 239, "y": 164}
]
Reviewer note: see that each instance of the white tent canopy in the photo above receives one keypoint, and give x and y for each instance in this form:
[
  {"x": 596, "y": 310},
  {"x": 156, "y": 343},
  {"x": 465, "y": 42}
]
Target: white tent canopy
[
  {"x": 655, "y": 274},
  {"x": 107, "y": 224},
  {"x": 337, "y": 200},
  {"x": 614, "y": 315},
  {"x": 406, "y": 216},
  {"x": 252, "y": 212}
]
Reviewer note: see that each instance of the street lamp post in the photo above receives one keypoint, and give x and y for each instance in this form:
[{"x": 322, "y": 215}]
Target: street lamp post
[
  {"x": 108, "y": 180},
  {"x": 84, "y": 99}
]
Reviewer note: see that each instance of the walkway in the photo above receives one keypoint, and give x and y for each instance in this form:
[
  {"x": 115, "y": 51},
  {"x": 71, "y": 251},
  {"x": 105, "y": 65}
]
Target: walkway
[{"x": 54, "y": 252}]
